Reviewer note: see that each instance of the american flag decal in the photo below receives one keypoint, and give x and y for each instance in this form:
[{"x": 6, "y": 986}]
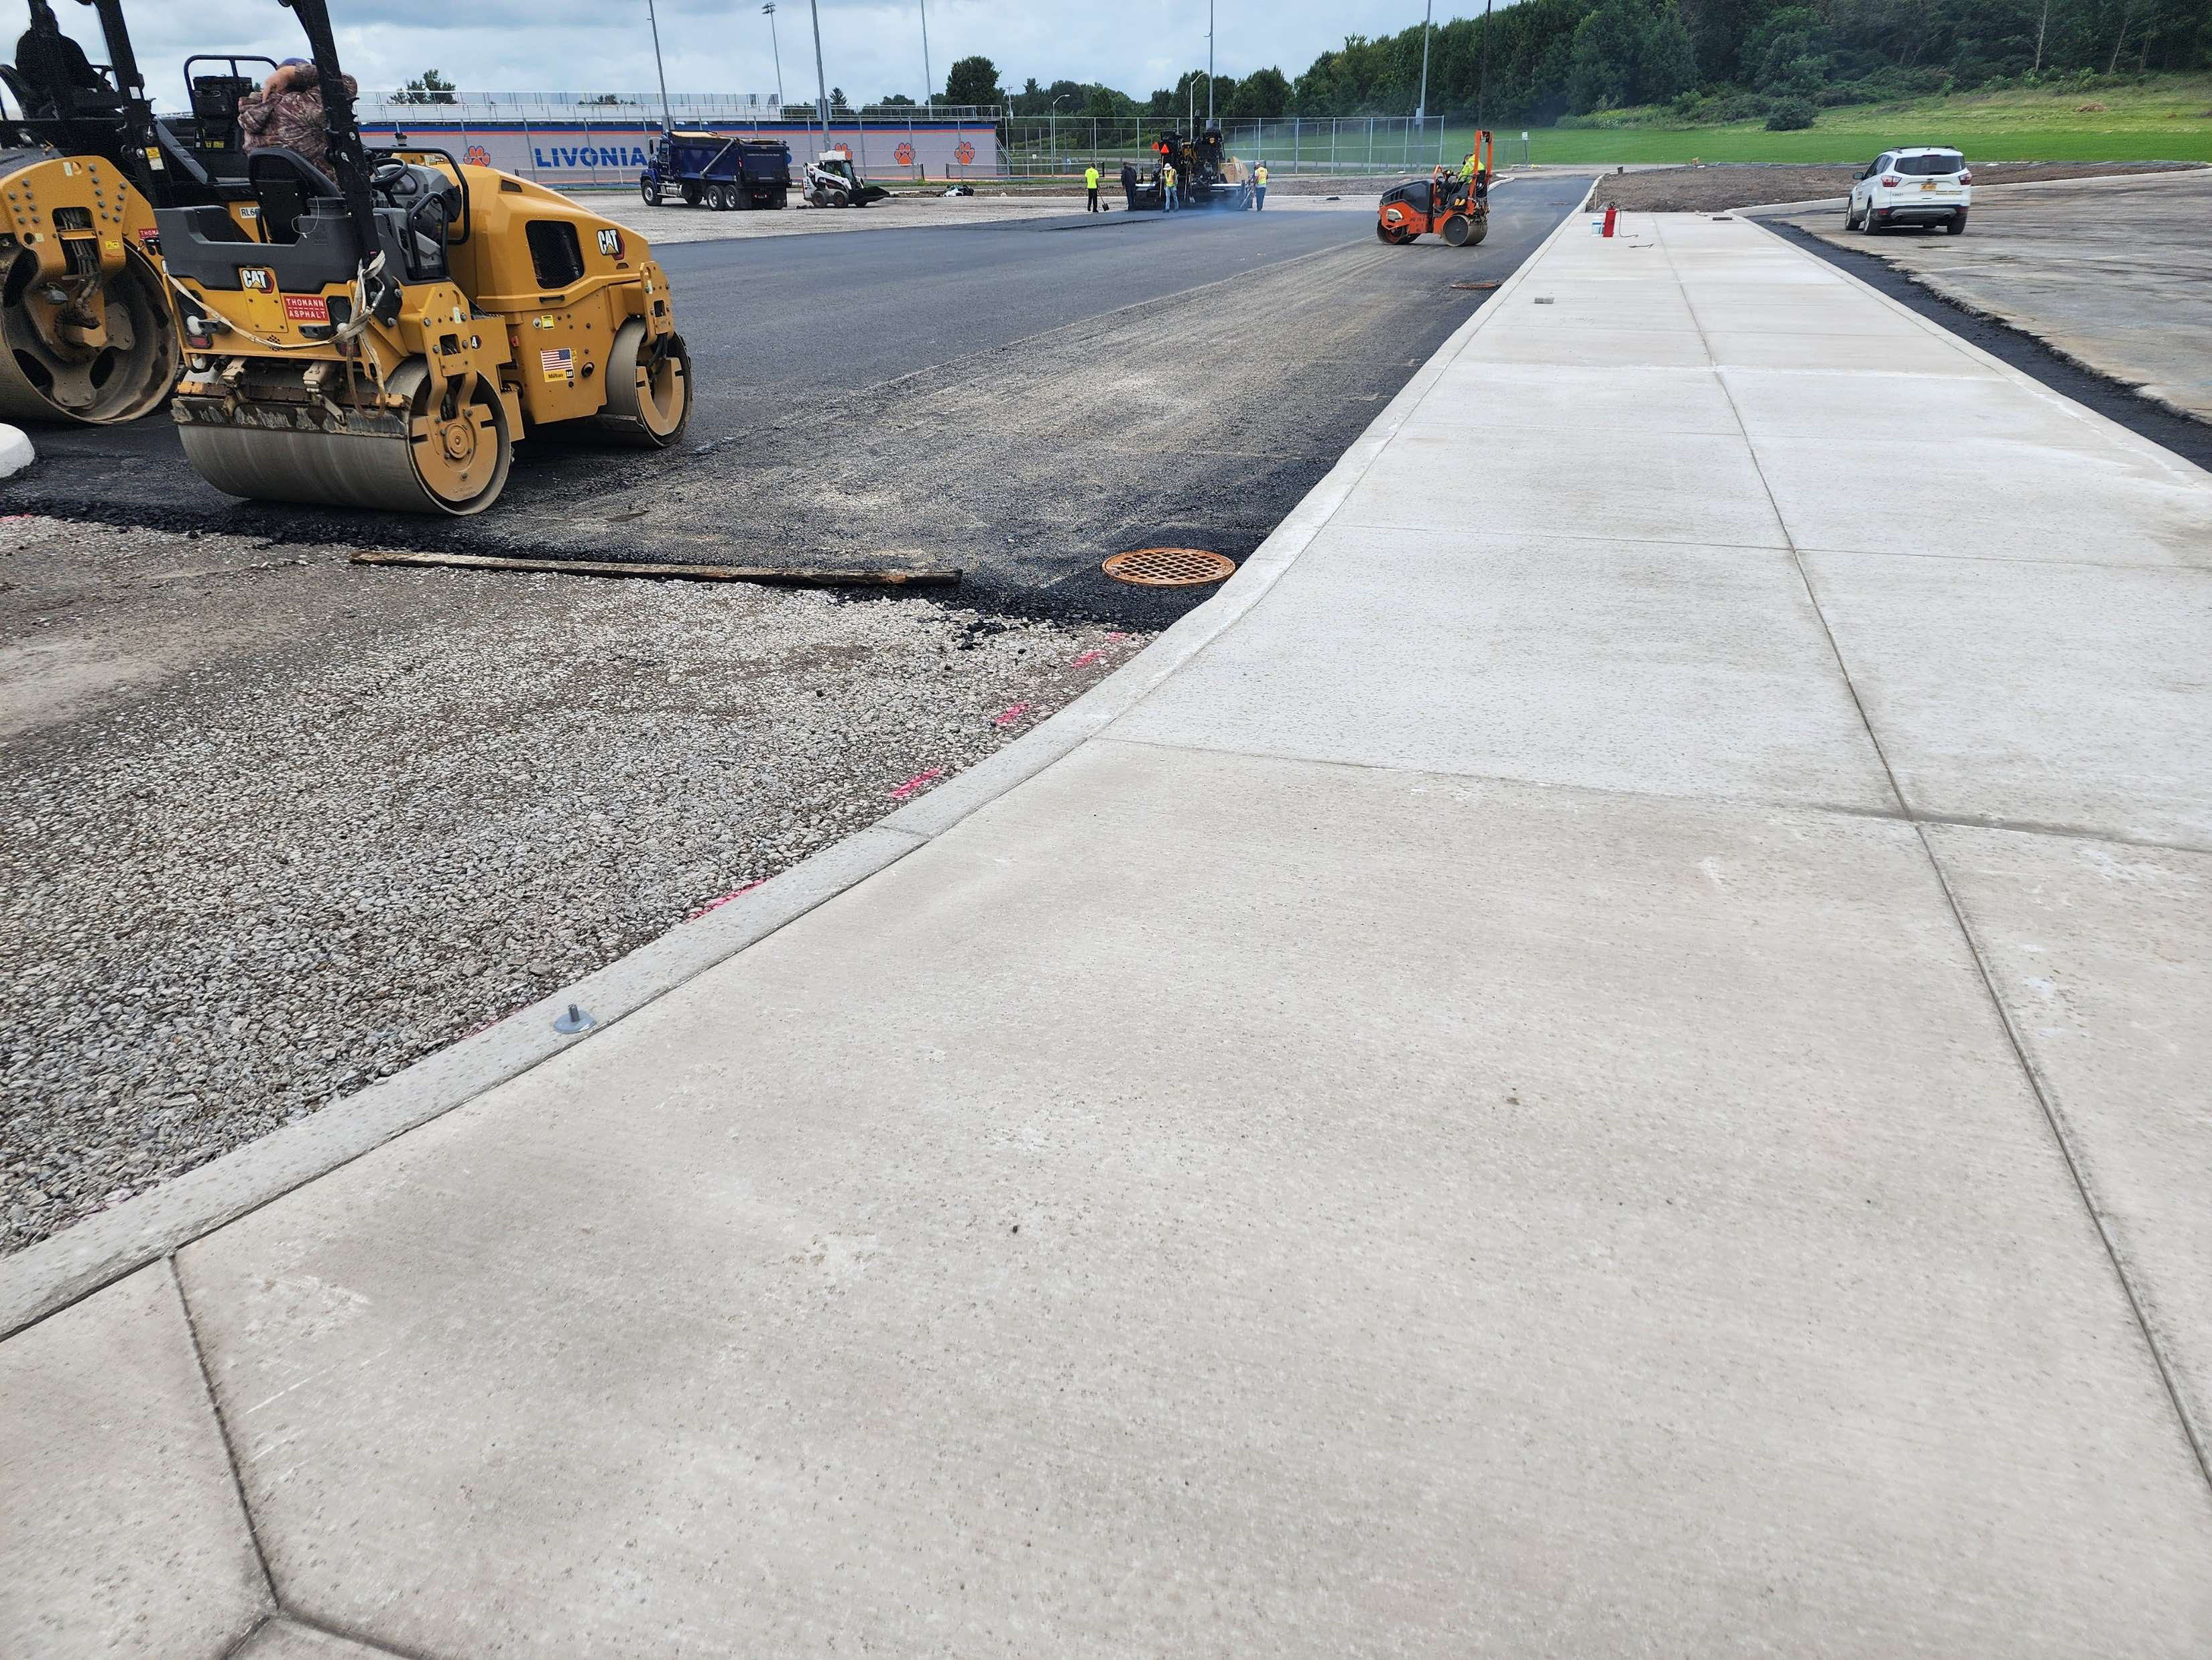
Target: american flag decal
[{"x": 559, "y": 365}]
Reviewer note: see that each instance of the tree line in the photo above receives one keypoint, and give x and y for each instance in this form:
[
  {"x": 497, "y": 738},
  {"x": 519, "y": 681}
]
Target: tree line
[{"x": 1726, "y": 59}]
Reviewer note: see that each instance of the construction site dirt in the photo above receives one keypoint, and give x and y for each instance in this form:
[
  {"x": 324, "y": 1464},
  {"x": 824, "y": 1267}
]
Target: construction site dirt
[
  {"x": 1718, "y": 189},
  {"x": 280, "y": 823}
]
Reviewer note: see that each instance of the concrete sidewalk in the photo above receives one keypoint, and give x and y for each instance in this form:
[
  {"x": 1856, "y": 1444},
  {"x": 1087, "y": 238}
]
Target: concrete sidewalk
[{"x": 1606, "y": 1056}]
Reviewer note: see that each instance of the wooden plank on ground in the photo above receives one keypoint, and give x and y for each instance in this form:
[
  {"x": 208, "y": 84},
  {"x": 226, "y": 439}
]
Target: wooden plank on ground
[{"x": 811, "y": 577}]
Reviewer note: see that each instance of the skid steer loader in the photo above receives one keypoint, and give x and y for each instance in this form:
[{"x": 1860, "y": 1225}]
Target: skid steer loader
[
  {"x": 832, "y": 181},
  {"x": 406, "y": 320},
  {"x": 87, "y": 333}
]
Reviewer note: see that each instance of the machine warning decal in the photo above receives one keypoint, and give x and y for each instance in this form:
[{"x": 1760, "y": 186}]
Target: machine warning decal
[
  {"x": 611, "y": 243},
  {"x": 558, "y": 365},
  {"x": 249, "y": 210},
  {"x": 257, "y": 279},
  {"x": 306, "y": 308}
]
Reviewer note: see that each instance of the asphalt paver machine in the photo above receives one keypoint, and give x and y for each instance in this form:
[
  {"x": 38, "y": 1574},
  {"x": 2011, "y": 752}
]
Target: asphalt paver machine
[
  {"x": 1453, "y": 203},
  {"x": 406, "y": 321},
  {"x": 1207, "y": 175}
]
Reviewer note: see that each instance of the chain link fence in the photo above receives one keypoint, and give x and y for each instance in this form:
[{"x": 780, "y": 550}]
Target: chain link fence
[{"x": 1042, "y": 146}]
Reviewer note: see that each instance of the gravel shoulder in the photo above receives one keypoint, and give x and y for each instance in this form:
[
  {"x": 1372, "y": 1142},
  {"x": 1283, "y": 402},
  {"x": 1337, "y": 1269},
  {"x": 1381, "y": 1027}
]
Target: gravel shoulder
[
  {"x": 2114, "y": 275},
  {"x": 1720, "y": 188},
  {"x": 279, "y": 824}
]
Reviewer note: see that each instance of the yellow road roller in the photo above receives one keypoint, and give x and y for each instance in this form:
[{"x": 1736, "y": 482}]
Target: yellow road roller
[
  {"x": 87, "y": 332},
  {"x": 404, "y": 320}
]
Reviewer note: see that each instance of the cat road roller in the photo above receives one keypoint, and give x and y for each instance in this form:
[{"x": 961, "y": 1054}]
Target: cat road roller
[
  {"x": 405, "y": 322},
  {"x": 1454, "y": 205},
  {"x": 86, "y": 331}
]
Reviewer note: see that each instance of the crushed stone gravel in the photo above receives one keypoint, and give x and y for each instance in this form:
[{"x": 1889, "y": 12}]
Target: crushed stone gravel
[{"x": 279, "y": 825}]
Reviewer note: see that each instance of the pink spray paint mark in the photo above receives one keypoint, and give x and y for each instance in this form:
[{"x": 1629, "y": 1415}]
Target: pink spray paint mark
[
  {"x": 716, "y": 904},
  {"x": 1007, "y": 717},
  {"x": 918, "y": 782},
  {"x": 1089, "y": 658}
]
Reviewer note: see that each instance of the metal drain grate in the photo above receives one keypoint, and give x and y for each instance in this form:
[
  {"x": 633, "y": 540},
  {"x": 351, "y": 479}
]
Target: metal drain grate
[{"x": 1168, "y": 568}]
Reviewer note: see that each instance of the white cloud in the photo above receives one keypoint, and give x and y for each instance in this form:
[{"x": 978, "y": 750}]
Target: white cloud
[{"x": 869, "y": 47}]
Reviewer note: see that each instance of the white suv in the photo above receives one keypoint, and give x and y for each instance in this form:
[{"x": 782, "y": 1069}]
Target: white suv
[{"x": 1925, "y": 186}]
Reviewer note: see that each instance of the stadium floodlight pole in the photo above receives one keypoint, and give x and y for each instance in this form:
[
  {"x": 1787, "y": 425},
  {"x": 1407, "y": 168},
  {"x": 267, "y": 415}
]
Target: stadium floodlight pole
[
  {"x": 929, "y": 85},
  {"x": 1482, "y": 79},
  {"x": 769, "y": 11},
  {"x": 667, "y": 121},
  {"x": 1209, "y": 62},
  {"x": 1428, "y": 26},
  {"x": 821, "y": 81}
]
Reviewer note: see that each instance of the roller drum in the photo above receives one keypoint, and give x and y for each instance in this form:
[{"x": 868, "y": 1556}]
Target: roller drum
[
  {"x": 648, "y": 388},
  {"x": 452, "y": 463},
  {"x": 47, "y": 379}
]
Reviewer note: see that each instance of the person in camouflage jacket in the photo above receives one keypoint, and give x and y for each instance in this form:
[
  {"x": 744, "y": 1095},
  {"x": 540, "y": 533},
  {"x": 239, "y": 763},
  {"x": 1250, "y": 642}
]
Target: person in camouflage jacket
[{"x": 288, "y": 112}]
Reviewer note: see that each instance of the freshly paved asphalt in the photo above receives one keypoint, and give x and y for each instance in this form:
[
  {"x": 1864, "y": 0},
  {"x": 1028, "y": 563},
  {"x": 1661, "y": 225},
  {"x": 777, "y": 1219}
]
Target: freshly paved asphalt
[{"x": 1017, "y": 400}]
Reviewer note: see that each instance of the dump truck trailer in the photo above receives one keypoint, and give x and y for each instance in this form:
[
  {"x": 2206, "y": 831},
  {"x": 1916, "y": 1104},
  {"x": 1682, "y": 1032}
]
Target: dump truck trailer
[{"x": 714, "y": 170}]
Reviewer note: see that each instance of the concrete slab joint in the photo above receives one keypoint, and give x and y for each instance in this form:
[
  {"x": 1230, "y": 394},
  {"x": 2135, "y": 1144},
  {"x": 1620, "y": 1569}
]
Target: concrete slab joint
[{"x": 1623, "y": 1075}]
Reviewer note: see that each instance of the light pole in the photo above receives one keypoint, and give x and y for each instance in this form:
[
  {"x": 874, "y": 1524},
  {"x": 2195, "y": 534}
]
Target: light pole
[
  {"x": 768, "y": 10},
  {"x": 1209, "y": 62},
  {"x": 1428, "y": 24},
  {"x": 1053, "y": 131},
  {"x": 667, "y": 121},
  {"x": 821, "y": 81},
  {"x": 928, "y": 84}
]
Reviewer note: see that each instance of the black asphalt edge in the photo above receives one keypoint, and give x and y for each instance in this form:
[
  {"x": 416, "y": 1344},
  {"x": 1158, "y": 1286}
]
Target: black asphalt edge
[{"x": 2115, "y": 399}]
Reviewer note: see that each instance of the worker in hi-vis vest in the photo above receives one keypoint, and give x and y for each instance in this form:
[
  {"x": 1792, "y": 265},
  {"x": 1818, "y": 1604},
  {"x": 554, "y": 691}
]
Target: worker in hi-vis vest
[
  {"x": 1259, "y": 188},
  {"x": 1090, "y": 185},
  {"x": 1167, "y": 188}
]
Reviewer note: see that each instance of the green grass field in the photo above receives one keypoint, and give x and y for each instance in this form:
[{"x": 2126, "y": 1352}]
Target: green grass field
[{"x": 2167, "y": 120}]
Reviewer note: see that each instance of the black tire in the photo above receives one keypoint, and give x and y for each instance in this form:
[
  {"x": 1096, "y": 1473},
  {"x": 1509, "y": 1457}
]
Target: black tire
[
  {"x": 1866, "y": 222},
  {"x": 692, "y": 196},
  {"x": 1958, "y": 225},
  {"x": 650, "y": 189},
  {"x": 1851, "y": 219},
  {"x": 781, "y": 200}
]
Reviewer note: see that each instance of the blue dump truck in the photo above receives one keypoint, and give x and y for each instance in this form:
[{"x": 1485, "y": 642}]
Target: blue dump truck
[{"x": 717, "y": 170}]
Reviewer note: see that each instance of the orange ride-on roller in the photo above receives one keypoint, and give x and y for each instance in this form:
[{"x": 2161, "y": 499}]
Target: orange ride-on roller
[{"x": 1454, "y": 205}]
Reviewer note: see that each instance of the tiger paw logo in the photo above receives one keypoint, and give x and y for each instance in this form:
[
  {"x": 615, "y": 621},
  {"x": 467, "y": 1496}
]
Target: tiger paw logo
[
  {"x": 905, "y": 154},
  {"x": 477, "y": 156},
  {"x": 964, "y": 154}
]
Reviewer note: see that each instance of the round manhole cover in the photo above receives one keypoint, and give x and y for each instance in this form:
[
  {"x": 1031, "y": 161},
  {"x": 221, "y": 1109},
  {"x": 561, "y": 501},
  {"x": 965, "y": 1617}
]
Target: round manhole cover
[{"x": 1168, "y": 568}]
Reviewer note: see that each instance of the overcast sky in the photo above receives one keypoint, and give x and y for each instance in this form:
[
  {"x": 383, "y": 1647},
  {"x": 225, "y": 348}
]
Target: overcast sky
[{"x": 869, "y": 47}]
